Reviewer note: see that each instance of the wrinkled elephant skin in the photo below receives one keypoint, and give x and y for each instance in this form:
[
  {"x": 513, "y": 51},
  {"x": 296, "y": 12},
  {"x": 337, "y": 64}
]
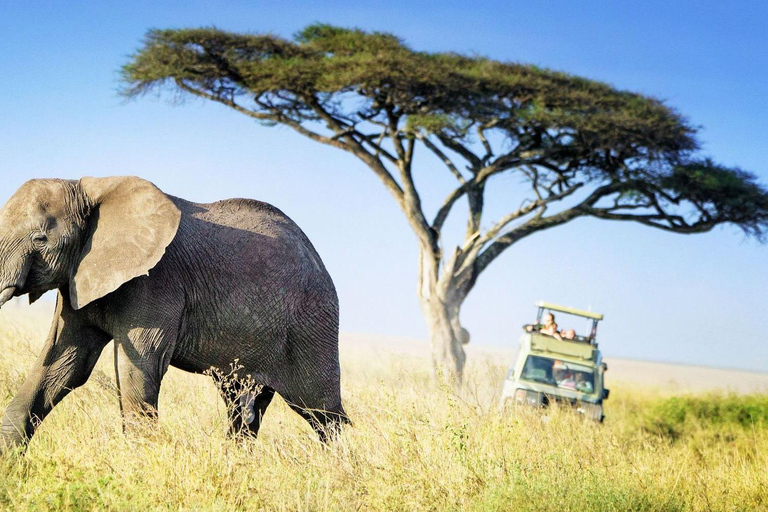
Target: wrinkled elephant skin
[{"x": 232, "y": 287}]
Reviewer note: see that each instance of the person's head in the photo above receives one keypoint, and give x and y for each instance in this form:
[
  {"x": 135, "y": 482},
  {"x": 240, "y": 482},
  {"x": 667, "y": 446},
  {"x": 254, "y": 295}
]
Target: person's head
[
  {"x": 549, "y": 318},
  {"x": 569, "y": 334}
]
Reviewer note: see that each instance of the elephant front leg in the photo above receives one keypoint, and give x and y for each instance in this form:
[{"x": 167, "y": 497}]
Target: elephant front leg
[
  {"x": 141, "y": 360},
  {"x": 67, "y": 360}
]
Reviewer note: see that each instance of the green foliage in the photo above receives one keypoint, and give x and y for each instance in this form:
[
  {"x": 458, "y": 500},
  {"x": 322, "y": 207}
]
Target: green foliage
[
  {"x": 729, "y": 193},
  {"x": 678, "y": 417},
  {"x": 323, "y": 59},
  {"x": 435, "y": 123},
  {"x": 367, "y": 87}
]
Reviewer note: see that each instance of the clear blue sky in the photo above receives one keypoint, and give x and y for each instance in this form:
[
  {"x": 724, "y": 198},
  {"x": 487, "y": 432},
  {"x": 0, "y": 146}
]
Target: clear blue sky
[{"x": 693, "y": 299}]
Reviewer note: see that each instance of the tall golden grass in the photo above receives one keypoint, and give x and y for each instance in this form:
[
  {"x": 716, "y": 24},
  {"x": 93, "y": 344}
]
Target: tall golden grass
[{"x": 413, "y": 446}]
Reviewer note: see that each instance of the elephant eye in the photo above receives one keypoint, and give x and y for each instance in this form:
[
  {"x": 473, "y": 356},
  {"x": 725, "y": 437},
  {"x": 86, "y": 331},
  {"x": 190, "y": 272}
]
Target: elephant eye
[{"x": 40, "y": 238}]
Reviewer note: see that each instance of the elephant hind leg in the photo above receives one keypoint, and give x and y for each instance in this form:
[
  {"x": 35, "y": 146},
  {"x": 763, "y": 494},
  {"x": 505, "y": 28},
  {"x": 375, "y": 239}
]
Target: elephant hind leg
[
  {"x": 311, "y": 385},
  {"x": 327, "y": 424},
  {"x": 245, "y": 406}
]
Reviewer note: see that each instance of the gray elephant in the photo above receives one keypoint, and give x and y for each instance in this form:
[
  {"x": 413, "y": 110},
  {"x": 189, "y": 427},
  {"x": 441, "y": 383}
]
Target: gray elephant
[{"x": 196, "y": 286}]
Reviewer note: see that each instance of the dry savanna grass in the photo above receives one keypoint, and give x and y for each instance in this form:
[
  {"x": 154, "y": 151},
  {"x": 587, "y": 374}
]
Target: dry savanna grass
[{"x": 414, "y": 446}]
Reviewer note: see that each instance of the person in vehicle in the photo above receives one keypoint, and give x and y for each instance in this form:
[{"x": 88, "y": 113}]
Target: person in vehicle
[
  {"x": 583, "y": 383},
  {"x": 567, "y": 381},
  {"x": 549, "y": 326},
  {"x": 568, "y": 334}
]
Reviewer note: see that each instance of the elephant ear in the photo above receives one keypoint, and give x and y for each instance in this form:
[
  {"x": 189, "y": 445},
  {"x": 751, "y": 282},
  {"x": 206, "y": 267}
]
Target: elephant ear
[{"x": 130, "y": 225}]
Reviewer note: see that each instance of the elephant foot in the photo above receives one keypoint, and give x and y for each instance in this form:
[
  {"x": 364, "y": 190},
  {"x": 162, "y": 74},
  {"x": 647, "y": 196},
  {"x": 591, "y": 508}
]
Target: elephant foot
[{"x": 326, "y": 424}]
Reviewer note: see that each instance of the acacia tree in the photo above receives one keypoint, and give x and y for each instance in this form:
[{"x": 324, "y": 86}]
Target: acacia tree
[{"x": 581, "y": 148}]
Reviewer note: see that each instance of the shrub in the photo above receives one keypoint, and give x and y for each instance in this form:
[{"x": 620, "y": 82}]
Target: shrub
[{"x": 677, "y": 417}]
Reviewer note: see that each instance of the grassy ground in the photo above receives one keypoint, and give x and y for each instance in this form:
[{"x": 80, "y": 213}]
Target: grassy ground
[{"x": 414, "y": 446}]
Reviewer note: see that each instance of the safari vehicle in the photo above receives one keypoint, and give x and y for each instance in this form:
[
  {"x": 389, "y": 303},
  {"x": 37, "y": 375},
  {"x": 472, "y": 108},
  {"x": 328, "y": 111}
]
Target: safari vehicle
[{"x": 565, "y": 369}]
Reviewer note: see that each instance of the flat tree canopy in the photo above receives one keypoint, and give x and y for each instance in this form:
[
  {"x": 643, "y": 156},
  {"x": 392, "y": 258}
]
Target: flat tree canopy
[{"x": 581, "y": 147}]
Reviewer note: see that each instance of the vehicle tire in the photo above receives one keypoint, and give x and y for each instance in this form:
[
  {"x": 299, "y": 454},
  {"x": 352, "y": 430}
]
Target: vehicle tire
[{"x": 596, "y": 413}]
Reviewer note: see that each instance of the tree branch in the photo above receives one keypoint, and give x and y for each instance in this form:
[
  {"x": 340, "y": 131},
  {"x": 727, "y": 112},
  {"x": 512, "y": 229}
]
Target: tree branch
[
  {"x": 481, "y": 135},
  {"x": 475, "y": 162},
  {"x": 274, "y": 117},
  {"x": 470, "y": 252},
  {"x": 675, "y": 223},
  {"x": 477, "y": 180},
  {"x": 411, "y": 199},
  {"x": 523, "y": 211},
  {"x": 357, "y": 148},
  {"x": 538, "y": 223},
  {"x": 442, "y": 156}
]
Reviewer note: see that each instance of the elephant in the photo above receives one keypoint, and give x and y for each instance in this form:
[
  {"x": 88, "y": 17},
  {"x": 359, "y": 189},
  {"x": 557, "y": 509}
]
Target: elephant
[{"x": 231, "y": 284}]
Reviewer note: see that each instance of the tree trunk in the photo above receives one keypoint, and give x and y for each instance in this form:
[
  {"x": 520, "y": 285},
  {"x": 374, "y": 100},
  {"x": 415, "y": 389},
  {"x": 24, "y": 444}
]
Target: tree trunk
[
  {"x": 441, "y": 300},
  {"x": 446, "y": 338}
]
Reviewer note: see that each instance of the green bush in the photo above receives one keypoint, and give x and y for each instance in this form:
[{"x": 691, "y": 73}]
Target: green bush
[{"x": 677, "y": 417}]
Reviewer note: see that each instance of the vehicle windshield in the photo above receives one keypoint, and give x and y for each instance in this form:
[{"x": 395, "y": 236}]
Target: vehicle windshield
[{"x": 561, "y": 374}]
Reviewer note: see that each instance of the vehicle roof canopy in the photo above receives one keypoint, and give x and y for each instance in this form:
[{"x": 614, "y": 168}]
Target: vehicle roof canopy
[{"x": 570, "y": 311}]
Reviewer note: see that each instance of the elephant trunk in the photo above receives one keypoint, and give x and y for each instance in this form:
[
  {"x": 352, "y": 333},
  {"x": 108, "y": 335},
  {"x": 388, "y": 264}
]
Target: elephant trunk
[
  {"x": 14, "y": 279},
  {"x": 16, "y": 428},
  {"x": 6, "y": 295}
]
